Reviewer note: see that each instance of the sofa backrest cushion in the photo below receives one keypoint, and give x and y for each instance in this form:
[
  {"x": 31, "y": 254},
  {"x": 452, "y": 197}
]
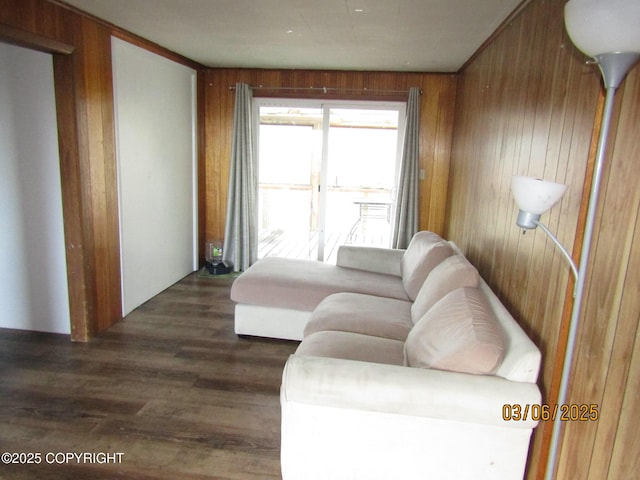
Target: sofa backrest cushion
[
  {"x": 425, "y": 251},
  {"x": 452, "y": 273},
  {"x": 459, "y": 333}
]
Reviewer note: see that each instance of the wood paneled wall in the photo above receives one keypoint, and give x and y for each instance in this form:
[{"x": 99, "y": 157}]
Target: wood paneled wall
[
  {"x": 529, "y": 105},
  {"x": 85, "y": 117},
  {"x": 81, "y": 48},
  {"x": 606, "y": 369},
  {"x": 526, "y": 105},
  {"x": 437, "y": 108}
]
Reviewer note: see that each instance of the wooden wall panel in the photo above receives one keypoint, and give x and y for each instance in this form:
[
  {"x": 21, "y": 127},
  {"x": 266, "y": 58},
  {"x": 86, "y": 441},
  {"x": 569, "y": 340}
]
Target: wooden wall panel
[
  {"x": 85, "y": 96},
  {"x": 528, "y": 104},
  {"x": 606, "y": 356},
  {"x": 621, "y": 401},
  {"x": 98, "y": 151},
  {"x": 79, "y": 273},
  {"x": 437, "y": 110}
]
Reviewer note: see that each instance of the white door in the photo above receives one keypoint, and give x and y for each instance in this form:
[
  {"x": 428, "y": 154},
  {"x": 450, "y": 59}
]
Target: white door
[{"x": 156, "y": 160}]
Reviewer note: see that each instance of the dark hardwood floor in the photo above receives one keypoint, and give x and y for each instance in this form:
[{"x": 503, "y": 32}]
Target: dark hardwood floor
[{"x": 171, "y": 388}]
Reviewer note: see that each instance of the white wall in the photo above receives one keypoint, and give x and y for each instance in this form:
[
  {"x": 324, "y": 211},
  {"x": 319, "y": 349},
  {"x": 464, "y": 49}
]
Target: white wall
[
  {"x": 156, "y": 157},
  {"x": 33, "y": 282}
]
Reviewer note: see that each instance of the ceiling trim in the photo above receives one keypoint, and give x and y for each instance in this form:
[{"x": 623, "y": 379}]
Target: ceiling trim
[{"x": 132, "y": 38}]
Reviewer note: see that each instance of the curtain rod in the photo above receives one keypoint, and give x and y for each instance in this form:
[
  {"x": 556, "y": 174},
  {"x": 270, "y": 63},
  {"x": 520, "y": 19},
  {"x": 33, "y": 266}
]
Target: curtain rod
[{"x": 326, "y": 90}]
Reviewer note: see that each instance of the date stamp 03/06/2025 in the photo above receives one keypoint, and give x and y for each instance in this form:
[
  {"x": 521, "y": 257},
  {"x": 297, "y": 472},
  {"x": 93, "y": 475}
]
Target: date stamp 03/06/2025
[{"x": 574, "y": 412}]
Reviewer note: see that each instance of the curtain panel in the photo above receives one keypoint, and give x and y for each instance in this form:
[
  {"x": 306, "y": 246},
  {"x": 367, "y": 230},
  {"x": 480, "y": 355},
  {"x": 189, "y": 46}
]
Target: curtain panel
[
  {"x": 406, "y": 215},
  {"x": 240, "y": 248}
]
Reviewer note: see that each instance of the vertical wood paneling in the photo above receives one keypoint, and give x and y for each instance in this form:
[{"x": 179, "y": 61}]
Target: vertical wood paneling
[
  {"x": 437, "y": 109},
  {"x": 78, "y": 272},
  {"x": 97, "y": 110},
  {"x": 503, "y": 127},
  {"x": 604, "y": 357},
  {"x": 527, "y": 104}
]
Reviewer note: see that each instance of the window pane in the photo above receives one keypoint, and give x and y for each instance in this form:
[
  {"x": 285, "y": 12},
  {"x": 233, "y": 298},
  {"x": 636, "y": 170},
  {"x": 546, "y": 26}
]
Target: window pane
[{"x": 285, "y": 156}]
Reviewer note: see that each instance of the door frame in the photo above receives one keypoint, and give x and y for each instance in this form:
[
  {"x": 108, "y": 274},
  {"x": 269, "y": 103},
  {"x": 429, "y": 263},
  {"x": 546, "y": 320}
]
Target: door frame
[{"x": 325, "y": 106}]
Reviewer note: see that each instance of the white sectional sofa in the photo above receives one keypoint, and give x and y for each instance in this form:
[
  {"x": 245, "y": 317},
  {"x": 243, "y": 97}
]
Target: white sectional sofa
[
  {"x": 406, "y": 362},
  {"x": 275, "y": 297}
]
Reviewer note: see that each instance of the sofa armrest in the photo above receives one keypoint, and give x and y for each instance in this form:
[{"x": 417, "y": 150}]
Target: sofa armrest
[
  {"x": 403, "y": 390},
  {"x": 371, "y": 259}
]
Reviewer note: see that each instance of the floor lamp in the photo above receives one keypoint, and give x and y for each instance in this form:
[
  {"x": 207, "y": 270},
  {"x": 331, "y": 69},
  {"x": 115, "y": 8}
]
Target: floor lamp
[{"x": 608, "y": 32}]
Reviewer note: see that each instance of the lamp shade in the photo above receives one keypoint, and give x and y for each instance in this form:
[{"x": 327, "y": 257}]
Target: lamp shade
[
  {"x": 597, "y": 27},
  {"x": 536, "y": 196}
]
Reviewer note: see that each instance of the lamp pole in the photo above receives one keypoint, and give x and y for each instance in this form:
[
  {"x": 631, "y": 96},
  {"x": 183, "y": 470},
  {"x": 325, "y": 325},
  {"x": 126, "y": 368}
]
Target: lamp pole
[{"x": 614, "y": 67}]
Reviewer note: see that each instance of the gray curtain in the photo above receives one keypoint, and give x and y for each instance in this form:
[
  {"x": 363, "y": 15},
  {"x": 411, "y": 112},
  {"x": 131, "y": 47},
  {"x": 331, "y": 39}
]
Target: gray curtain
[
  {"x": 406, "y": 216},
  {"x": 240, "y": 233}
]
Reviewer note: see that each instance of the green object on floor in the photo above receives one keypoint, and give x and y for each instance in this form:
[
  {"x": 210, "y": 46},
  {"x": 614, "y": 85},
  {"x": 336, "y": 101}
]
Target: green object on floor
[{"x": 204, "y": 273}]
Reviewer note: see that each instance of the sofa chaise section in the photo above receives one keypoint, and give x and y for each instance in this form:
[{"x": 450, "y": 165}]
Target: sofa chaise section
[{"x": 275, "y": 297}]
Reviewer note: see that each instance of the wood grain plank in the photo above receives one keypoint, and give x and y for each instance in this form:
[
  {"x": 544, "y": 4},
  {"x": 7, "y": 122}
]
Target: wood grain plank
[{"x": 607, "y": 332}]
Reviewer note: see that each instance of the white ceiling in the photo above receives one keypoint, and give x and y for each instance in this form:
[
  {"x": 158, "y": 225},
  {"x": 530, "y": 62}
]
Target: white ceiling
[{"x": 380, "y": 35}]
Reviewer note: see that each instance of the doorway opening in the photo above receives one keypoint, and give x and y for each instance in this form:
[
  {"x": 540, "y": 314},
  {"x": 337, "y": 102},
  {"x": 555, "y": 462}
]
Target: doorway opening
[{"x": 327, "y": 175}]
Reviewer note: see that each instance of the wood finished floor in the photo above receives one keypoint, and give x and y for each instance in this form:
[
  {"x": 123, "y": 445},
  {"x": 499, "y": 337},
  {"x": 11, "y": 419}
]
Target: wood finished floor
[{"x": 171, "y": 387}]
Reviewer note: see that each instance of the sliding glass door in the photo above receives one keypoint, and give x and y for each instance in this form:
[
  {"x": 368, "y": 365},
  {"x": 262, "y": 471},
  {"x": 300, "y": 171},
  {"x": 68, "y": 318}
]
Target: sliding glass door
[
  {"x": 361, "y": 162},
  {"x": 327, "y": 175},
  {"x": 289, "y": 159}
]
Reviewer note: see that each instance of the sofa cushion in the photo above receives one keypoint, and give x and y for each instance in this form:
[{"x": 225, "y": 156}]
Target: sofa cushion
[
  {"x": 366, "y": 314},
  {"x": 425, "y": 251},
  {"x": 353, "y": 346},
  {"x": 303, "y": 284},
  {"x": 459, "y": 333},
  {"x": 452, "y": 273}
]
